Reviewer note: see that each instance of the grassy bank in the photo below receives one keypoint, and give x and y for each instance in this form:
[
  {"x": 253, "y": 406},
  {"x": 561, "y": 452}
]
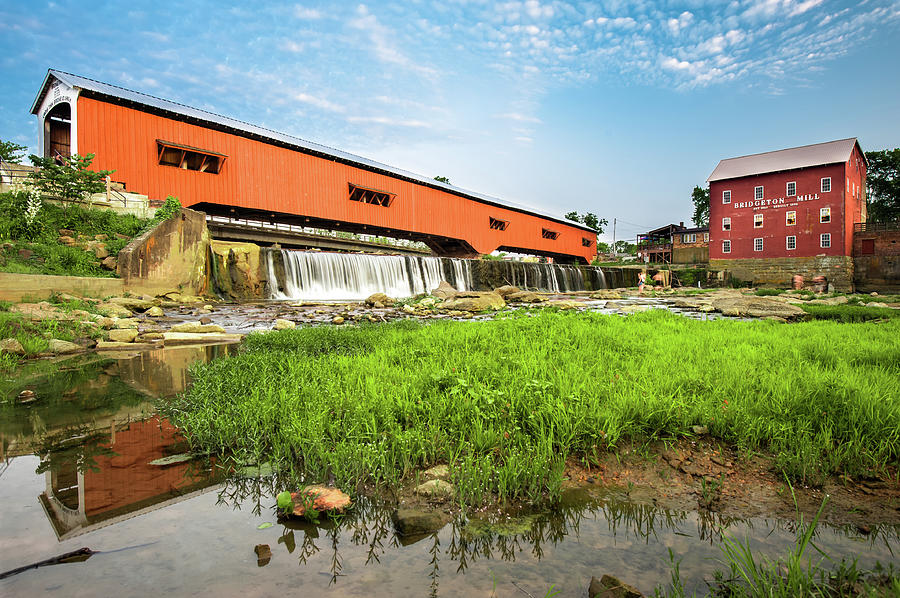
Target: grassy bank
[
  {"x": 505, "y": 402},
  {"x": 33, "y": 246}
]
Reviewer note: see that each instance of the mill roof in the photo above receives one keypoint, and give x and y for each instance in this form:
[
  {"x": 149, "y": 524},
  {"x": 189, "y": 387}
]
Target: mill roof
[{"x": 817, "y": 154}]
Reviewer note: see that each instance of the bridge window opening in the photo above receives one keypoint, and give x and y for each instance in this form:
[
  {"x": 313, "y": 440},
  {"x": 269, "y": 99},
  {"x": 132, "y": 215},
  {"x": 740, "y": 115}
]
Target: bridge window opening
[
  {"x": 58, "y": 132},
  {"x": 372, "y": 196},
  {"x": 497, "y": 224},
  {"x": 549, "y": 234},
  {"x": 189, "y": 158},
  {"x": 585, "y": 242}
]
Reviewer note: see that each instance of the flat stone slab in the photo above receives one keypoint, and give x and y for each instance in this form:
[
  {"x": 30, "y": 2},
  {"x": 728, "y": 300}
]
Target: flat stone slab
[
  {"x": 118, "y": 346},
  {"x": 436, "y": 489},
  {"x": 195, "y": 338},
  {"x": 197, "y": 328}
]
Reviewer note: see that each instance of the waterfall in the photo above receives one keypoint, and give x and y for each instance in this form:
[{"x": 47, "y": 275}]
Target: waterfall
[
  {"x": 322, "y": 276},
  {"x": 347, "y": 276}
]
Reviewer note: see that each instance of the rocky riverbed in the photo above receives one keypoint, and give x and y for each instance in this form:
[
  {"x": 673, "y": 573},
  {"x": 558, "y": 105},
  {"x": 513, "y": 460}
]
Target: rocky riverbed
[{"x": 140, "y": 323}]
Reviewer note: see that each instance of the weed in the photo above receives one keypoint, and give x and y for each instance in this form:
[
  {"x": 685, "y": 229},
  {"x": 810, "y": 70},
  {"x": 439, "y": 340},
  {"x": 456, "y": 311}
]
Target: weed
[{"x": 505, "y": 402}]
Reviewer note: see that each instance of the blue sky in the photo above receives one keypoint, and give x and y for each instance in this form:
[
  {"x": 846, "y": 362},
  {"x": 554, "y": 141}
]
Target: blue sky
[{"x": 616, "y": 107}]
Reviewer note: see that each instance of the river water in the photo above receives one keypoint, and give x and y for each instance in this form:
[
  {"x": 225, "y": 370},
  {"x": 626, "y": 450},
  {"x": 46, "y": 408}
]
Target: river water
[{"x": 76, "y": 471}]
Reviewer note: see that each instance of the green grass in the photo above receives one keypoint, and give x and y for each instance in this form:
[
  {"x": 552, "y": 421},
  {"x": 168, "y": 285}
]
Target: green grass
[
  {"x": 504, "y": 402},
  {"x": 50, "y": 256},
  {"x": 850, "y": 313}
]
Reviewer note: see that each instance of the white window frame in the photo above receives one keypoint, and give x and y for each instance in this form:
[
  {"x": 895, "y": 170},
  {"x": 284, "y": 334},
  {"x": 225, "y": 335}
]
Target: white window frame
[
  {"x": 758, "y": 218},
  {"x": 691, "y": 238},
  {"x": 823, "y": 213},
  {"x": 758, "y": 244},
  {"x": 758, "y": 192},
  {"x": 726, "y": 223},
  {"x": 791, "y": 193},
  {"x": 706, "y": 237},
  {"x": 726, "y": 196},
  {"x": 825, "y": 240},
  {"x": 787, "y": 215},
  {"x": 726, "y": 246},
  {"x": 790, "y": 240},
  {"x": 825, "y": 184}
]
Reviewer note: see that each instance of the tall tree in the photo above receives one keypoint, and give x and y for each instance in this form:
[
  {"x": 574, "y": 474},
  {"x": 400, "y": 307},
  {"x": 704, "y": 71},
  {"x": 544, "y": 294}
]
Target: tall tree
[
  {"x": 11, "y": 152},
  {"x": 883, "y": 183},
  {"x": 700, "y": 197},
  {"x": 590, "y": 220}
]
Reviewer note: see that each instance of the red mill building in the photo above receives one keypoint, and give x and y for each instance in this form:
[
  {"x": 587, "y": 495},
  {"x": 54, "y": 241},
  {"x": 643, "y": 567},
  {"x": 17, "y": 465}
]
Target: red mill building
[{"x": 788, "y": 212}]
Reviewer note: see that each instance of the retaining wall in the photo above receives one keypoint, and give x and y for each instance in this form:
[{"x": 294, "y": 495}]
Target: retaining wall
[{"x": 779, "y": 272}]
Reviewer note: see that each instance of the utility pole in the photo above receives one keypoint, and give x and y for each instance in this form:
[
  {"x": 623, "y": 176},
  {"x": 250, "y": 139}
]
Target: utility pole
[{"x": 614, "y": 239}]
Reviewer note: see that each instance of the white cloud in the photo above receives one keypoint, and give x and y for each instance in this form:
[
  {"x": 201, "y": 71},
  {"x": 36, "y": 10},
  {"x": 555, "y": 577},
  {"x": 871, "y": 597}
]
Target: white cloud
[
  {"x": 391, "y": 122},
  {"x": 676, "y": 25},
  {"x": 381, "y": 40},
  {"x": 301, "y": 12},
  {"x": 518, "y": 117},
  {"x": 318, "y": 102}
]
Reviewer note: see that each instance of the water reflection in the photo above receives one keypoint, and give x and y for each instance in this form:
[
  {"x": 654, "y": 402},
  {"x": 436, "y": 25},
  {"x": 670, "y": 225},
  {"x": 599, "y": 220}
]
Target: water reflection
[
  {"x": 465, "y": 542},
  {"x": 93, "y": 429}
]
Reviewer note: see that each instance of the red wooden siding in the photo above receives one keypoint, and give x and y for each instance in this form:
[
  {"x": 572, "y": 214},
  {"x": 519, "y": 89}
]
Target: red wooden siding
[{"x": 261, "y": 176}]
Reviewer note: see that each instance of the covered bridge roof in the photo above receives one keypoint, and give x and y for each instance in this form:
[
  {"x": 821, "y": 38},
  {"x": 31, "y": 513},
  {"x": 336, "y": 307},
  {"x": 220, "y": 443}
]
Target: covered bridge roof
[{"x": 172, "y": 109}]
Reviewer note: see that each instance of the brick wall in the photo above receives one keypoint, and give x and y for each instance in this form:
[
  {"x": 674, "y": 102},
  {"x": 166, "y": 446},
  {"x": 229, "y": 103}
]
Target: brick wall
[
  {"x": 779, "y": 272},
  {"x": 876, "y": 257}
]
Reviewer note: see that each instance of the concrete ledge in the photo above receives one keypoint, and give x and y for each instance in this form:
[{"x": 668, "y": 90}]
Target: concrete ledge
[{"x": 18, "y": 287}]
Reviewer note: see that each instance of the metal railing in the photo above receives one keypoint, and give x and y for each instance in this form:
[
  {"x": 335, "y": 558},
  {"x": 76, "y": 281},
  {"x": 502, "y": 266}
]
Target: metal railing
[
  {"x": 873, "y": 227},
  {"x": 319, "y": 232},
  {"x": 18, "y": 176}
]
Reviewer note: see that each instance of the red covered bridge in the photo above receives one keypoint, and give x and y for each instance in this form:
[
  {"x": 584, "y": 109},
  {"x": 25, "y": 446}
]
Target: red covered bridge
[{"x": 229, "y": 168}]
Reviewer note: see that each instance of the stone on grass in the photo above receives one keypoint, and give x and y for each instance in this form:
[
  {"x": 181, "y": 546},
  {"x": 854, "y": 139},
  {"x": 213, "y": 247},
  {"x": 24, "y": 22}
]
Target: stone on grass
[
  {"x": 324, "y": 499},
  {"x": 282, "y": 324},
  {"x": 197, "y": 328},
  {"x": 123, "y": 335},
  {"x": 113, "y": 310},
  {"x": 416, "y": 522},
  {"x": 338, "y": 320},
  {"x": 11, "y": 345},
  {"x": 611, "y": 587},
  {"x": 62, "y": 347},
  {"x": 436, "y": 489},
  {"x": 155, "y": 312},
  {"x": 700, "y": 430},
  {"x": 438, "y": 472}
]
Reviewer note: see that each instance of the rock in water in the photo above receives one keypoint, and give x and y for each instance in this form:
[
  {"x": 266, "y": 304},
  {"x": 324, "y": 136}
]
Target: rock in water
[
  {"x": 474, "y": 301},
  {"x": 26, "y": 396},
  {"x": 415, "y": 522},
  {"x": 323, "y": 498},
  {"x": 611, "y": 587},
  {"x": 155, "y": 312},
  {"x": 506, "y": 290},
  {"x": 123, "y": 335},
  {"x": 263, "y": 554},
  {"x": 196, "y": 328},
  {"x": 281, "y": 324},
  {"x": 444, "y": 290},
  {"x": 381, "y": 298},
  {"x": 62, "y": 347},
  {"x": 173, "y": 460}
]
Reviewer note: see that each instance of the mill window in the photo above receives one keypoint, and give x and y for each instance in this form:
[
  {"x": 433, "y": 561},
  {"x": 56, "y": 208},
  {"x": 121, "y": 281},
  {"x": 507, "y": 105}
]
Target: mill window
[
  {"x": 791, "y": 242},
  {"x": 726, "y": 223},
  {"x": 825, "y": 240},
  {"x": 790, "y": 218},
  {"x": 826, "y": 184},
  {"x": 825, "y": 215},
  {"x": 726, "y": 196},
  {"x": 758, "y": 244},
  {"x": 791, "y": 189},
  {"x": 757, "y": 221},
  {"x": 758, "y": 192},
  {"x": 726, "y": 246}
]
